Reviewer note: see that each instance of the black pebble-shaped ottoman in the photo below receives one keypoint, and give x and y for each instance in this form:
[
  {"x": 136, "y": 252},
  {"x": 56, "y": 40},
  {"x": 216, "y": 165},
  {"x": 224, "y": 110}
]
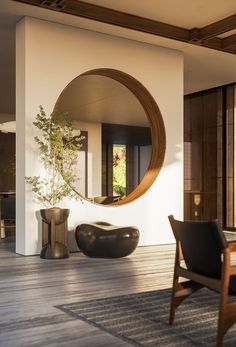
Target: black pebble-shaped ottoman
[{"x": 105, "y": 240}]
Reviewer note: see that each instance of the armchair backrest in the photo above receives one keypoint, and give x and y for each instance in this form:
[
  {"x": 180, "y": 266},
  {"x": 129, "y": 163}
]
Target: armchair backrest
[{"x": 202, "y": 243}]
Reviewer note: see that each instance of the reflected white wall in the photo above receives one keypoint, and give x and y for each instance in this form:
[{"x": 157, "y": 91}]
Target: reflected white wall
[{"x": 94, "y": 158}]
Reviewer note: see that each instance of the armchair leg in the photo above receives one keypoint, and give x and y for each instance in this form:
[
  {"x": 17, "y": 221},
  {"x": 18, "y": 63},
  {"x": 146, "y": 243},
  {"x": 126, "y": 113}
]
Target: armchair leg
[
  {"x": 173, "y": 304},
  {"x": 227, "y": 317},
  {"x": 221, "y": 322},
  {"x": 227, "y": 311},
  {"x": 180, "y": 292}
]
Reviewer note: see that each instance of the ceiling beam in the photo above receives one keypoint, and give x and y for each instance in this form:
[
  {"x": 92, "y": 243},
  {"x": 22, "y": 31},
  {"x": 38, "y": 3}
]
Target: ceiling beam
[
  {"x": 126, "y": 20},
  {"x": 229, "y": 41},
  {"x": 206, "y": 36},
  {"x": 106, "y": 15},
  {"x": 214, "y": 43},
  {"x": 218, "y": 28}
]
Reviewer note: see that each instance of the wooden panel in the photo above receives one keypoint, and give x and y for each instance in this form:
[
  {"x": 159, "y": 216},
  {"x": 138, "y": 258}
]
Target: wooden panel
[
  {"x": 209, "y": 155},
  {"x": 230, "y": 202},
  {"x": 219, "y": 199},
  {"x": 230, "y": 105},
  {"x": 209, "y": 159},
  {"x": 187, "y": 117},
  {"x": 187, "y": 205},
  {"x": 219, "y": 144},
  {"x": 209, "y": 202},
  {"x": 196, "y": 110},
  {"x": 187, "y": 158},
  {"x": 204, "y": 114},
  {"x": 210, "y": 108},
  {"x": 229, "y": 159},
  {"x": 220, "y": 213},
  {"x": 230, "y": 150},
  {"x": 196, "y": 162}
]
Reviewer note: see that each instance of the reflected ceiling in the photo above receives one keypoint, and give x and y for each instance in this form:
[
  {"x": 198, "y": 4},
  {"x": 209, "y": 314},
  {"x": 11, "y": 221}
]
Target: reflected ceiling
[{"x": 101, "y": 99}]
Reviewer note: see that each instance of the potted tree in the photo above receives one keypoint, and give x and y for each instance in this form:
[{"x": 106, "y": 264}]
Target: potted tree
[{"x": 58, "y": 149}]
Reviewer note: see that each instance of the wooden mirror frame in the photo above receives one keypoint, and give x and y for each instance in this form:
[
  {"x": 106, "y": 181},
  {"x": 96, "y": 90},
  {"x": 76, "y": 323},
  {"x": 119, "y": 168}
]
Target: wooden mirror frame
[{"x": 156, "y": 123}]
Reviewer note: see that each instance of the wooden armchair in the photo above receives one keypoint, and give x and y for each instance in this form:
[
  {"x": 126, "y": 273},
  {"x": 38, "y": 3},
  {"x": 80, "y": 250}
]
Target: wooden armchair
[{"x": 204, "y": 249}]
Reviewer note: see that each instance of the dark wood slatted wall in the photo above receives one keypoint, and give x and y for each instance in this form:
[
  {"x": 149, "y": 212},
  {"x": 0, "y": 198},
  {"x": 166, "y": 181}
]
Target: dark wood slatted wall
[
  {"x": 203, "y": 133},
  {"x": 229, "y": 169}
]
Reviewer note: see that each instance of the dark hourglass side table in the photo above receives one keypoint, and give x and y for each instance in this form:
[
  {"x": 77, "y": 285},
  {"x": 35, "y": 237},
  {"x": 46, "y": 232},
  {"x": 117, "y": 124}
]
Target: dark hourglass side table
[{"x": 54, "y": 233}]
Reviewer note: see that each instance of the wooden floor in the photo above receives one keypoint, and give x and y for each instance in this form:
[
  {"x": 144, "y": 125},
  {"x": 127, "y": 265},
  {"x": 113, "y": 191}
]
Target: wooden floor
[{"x": 31, "y": 287}]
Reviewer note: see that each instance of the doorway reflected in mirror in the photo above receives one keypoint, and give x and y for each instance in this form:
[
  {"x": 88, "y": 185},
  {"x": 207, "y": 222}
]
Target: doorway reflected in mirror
[{"x": 126, "y": 153}]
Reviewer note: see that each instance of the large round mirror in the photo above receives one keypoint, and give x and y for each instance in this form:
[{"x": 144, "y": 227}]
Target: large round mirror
[{"x": 117, "y": 135}]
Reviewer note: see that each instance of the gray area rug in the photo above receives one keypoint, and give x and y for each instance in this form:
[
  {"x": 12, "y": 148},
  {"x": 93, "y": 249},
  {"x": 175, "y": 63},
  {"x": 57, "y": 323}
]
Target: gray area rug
[{"x": 142, "y": 319}]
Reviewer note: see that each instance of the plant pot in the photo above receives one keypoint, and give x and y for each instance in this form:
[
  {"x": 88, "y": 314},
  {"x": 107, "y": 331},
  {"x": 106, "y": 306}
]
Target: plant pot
[
  {"x": 57, "y": 251},
  {"x": 54, "y": 233},
  {"x": 59, "y": 215}
]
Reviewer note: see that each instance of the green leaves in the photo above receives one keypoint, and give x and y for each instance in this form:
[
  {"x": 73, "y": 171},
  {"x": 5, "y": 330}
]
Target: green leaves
[
  {"x": 119, "y": 170},
  {"x": 58, "y": 150}
]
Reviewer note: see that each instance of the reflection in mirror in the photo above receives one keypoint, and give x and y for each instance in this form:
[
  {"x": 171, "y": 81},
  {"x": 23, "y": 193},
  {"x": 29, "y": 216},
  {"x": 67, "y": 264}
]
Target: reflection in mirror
[{"x": 116, "y": 134}]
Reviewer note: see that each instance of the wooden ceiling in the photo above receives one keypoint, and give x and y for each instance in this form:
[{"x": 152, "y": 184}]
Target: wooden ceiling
[{"x": 207, "y": 36}]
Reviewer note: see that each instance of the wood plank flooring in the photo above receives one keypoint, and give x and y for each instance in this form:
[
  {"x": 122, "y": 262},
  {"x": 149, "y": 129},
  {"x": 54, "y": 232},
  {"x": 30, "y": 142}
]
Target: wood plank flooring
[{"x": 31, "y": 287}]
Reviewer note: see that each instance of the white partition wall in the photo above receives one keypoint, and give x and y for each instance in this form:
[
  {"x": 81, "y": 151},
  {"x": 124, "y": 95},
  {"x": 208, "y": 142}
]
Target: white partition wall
[
  {"x": 49, "y": 56},
  {"x": 94, "y": 174}
]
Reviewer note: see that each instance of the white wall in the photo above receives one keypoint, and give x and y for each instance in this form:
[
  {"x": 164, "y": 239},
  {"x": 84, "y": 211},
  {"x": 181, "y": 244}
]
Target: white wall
[
  {"x": 94, "y": 155},
  {"x": 49, "y": 56}
]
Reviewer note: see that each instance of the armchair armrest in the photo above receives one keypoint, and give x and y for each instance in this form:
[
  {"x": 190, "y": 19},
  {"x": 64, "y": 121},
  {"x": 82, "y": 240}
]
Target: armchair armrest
[{"x": 232, "y": 246}]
